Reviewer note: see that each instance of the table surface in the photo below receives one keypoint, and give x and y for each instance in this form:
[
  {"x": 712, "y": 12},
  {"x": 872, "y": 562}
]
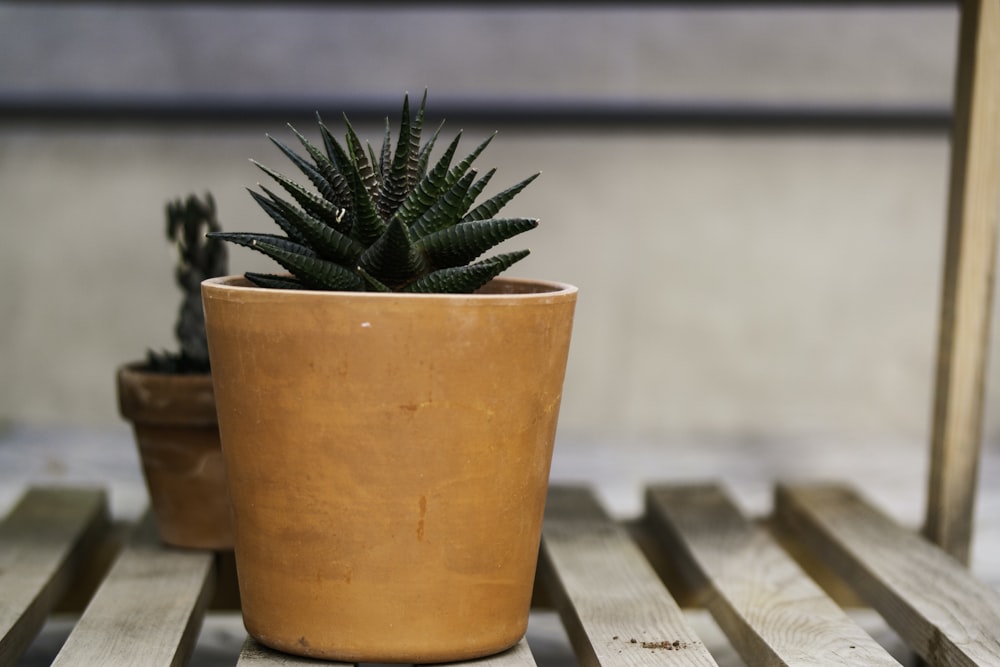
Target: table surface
[{"x": 892, "y": 473}]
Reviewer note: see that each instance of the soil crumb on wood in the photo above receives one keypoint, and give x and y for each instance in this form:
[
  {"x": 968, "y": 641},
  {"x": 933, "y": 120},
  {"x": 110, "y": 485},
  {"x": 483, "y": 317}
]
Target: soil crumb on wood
[
  {"x": 675, "y": 645},
  {"x": 666, "y": 645}
]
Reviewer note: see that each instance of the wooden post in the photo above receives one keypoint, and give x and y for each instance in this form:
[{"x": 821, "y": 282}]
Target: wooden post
[{"x": 970, "y": 253}]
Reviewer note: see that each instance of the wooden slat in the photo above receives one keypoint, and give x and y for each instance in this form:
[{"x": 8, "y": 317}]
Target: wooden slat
[
  {"x": 519, "y": 656},
  {"x": 970, "y": 256},
  {"x": 772, "y": 612},
  {"x": 928, "y": 597},
  {"x": 615, "y": 609},
  {"x": 43, "y": 543},
  {"x": 148, "y": 610}
]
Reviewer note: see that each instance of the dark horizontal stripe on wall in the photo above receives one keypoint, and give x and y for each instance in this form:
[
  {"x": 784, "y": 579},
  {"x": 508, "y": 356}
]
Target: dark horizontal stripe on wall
[{"x": 546, "y": 114}]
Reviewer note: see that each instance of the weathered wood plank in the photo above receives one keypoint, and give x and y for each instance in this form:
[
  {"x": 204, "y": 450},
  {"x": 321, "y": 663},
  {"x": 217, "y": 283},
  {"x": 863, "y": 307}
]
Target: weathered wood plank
[
  {"x": 148, "y": 610},
  {"x": 616, "y": 610},
  {"x": 967, "y": 292},
  {"x": 946, "y": 615},
  {"x": 772, "y": 612},
  {"x": 43, "y": 543},
  {"x": 519, "y": 656}
]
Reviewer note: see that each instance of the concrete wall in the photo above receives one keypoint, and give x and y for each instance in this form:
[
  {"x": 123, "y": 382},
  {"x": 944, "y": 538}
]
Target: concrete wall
[{"x": 736, "y": 284}]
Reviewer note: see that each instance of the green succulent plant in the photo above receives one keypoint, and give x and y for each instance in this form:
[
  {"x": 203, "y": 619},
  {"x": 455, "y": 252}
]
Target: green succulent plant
[
  {"x": 391, "y": 220},
  {"x": 190, "y": 224}
]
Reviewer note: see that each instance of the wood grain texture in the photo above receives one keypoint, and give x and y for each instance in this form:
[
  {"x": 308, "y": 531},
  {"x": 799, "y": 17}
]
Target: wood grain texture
[
  {"x": 616, "y": 610},
  {"x": 148, "y": 610},
  {"x": 518, "y": 656},
  {"x": 970, "y": 256},
  {"x": 930, "y": 599},
  {"x": 772, "y": 612},
  {"x": 43, "y": 544}
]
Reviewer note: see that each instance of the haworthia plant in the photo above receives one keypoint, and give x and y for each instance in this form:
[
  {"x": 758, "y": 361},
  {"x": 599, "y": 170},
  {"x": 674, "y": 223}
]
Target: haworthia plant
[{"x": 386, "y": 220}]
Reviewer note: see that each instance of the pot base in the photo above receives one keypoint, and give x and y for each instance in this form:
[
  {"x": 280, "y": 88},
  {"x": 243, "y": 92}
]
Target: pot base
[{"x": 414, "y": 655}]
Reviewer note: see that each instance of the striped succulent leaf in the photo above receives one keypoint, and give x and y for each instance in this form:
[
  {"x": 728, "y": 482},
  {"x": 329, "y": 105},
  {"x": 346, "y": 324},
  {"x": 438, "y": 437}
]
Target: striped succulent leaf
[{"x": 391, "y": 219}]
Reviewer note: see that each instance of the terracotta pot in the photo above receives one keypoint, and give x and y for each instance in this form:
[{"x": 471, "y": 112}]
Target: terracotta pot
[
  {"x": 388, "y": 458},
  {"x": 176, "y": 430}
]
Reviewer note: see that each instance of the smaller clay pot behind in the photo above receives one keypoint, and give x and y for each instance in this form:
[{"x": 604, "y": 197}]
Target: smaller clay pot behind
[
  {"x": 177, "y": 433},
  {"x": 170, "y": 400}
]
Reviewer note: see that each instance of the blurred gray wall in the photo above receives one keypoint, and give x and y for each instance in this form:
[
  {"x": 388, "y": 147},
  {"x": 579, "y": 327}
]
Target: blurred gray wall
[{"x": 733, "y": 282}]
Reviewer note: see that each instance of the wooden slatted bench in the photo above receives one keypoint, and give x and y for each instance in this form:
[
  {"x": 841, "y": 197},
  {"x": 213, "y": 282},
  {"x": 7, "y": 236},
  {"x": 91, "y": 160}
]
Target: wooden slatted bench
[
  {"x": 603, "y": 576},
  {"x": 623, "y": 589}
]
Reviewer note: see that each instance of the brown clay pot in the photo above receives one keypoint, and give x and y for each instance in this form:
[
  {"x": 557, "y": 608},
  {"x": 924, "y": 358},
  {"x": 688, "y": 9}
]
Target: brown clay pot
[
  {"x": 177, "y": 433},
  {"x": 388, "y": 457}
]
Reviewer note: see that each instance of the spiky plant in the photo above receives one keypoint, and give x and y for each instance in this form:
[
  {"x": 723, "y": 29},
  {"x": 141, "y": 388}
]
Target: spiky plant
[
  {"x": 190, "y": 223},
  {"x": 386, "y": 221}
]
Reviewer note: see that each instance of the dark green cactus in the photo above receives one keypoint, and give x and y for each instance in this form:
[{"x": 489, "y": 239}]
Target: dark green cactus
[
  {"x": 386, "y": 221},
  {"x": 189, "y": 222}
]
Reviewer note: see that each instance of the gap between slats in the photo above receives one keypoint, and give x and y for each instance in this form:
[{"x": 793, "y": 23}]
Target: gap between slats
[
  {"x": 615, "y": 609},
  {"x": 935, "y": 604},
  {"x": 44, "y": 542},
  {"x": 772, "y": 612},
  {"x": 148, "y": 610}
]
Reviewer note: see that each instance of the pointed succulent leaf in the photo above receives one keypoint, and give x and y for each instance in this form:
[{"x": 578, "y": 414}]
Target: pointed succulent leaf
[
  {"x": 342, "y": 193},
  {"x": 340, "y": 160},
  {"x": 424, "y": 158},
  {"x": 253, "y": 240},
  {"x": 392, "y": 259},
  {"x": 375, "y": 161},
  {"x": 458, "y": 171},
  {"x": 466, "y": 241},
  {"x": 398, "y": 179},
  {"x": 372, "y": 282},
  {"x": 326, "y": 241},
  {"x": 276, "y": 214},
  {"x": 318, "y": 180},
  {"x": 312, "y": 271},
  {"x": 492, "y": 206},
  {"x": 474, "y": 191},
  {"x": 330, "y": 143},
  {"x": 332, "y": 217},
  {"x": 317, "y": 206},
  {"x": 462, "y": 279},
  {"x": 385, "y": 154},
  {"x": 271, "y": 281},
  {"x": 430, "y": 187},
  {"x": 413, "y": 170},
  {"x": 446, "y": 211},
  {"x": 366, "y": 223},
  {"x": 359, "y": 156}
]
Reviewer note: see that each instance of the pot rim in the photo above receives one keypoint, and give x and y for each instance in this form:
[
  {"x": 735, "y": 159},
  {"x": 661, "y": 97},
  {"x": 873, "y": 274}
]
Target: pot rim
[
  {"x": 504, "y": 289},
  {"x": 164, "y": 399},
  {"x": 140, "y": 368}
]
